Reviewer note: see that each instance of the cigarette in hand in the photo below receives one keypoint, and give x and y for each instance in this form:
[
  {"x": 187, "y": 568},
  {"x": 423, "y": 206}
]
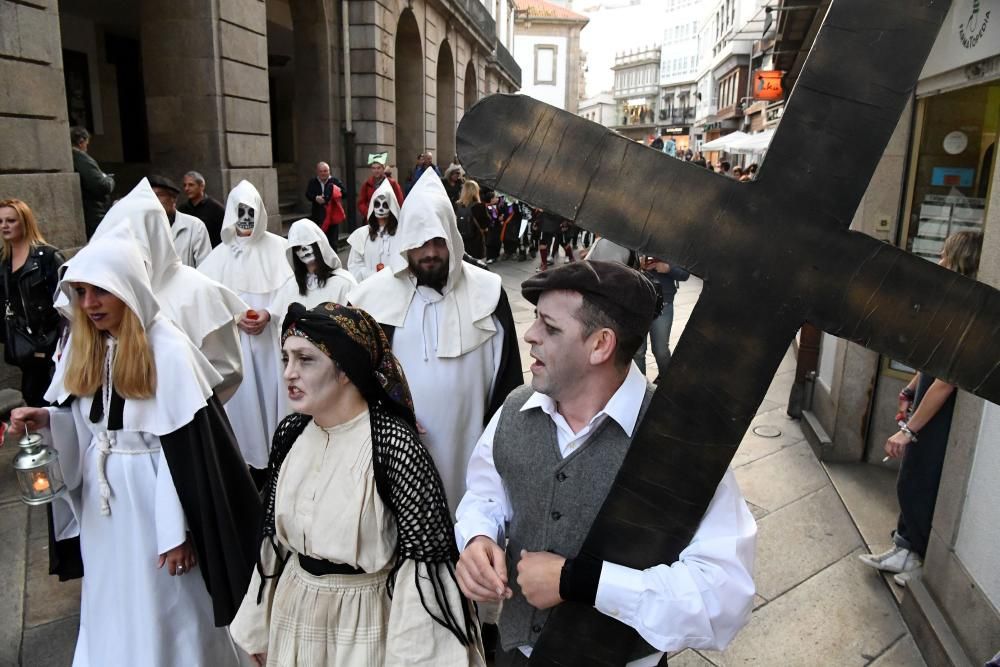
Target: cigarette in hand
[{"x": 885, "y": 459}]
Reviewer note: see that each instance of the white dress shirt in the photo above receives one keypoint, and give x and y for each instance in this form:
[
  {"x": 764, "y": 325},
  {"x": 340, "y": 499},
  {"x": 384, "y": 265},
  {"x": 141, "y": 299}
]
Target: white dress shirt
[{"x": 700, "y": 601}]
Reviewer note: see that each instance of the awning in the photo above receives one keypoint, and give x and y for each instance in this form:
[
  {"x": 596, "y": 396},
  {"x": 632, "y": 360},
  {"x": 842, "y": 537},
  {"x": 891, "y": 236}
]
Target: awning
[
  {"x": 724, "y": 142},
  {"x": 753, "y": 143}
]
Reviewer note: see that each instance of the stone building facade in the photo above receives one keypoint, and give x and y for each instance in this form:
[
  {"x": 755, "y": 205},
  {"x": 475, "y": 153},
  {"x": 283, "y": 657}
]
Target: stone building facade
[{"x": 237, "y": 89}]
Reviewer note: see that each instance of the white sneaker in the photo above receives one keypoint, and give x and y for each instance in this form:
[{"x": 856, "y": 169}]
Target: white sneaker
[
  {"x": 904, "y": 578},
  {"x": 897, "y": 559}
]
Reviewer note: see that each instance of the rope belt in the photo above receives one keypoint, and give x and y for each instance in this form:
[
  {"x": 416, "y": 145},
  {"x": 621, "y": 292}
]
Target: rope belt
[{"x": 105, "y": 447}]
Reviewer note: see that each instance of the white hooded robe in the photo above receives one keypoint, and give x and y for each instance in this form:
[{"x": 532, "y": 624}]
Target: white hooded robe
[
  {"x": 202, "y": 308},
  {"x": 121, "y": 499},
  {"x": 256, "y": 269},
  {"x": 449, "y": 343},
  {"x": 367, "y": 253}
]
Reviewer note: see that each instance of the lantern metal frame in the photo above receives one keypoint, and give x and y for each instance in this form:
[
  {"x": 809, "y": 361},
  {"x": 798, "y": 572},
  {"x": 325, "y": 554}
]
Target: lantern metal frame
[{"x": 39, "y": 475}]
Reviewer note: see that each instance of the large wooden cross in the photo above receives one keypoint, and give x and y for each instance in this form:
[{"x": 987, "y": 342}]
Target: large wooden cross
[{"x": 773, "y": 254}]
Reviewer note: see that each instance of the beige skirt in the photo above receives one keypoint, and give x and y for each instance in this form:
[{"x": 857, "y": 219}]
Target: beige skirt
[{"x": 337, "y": 620}]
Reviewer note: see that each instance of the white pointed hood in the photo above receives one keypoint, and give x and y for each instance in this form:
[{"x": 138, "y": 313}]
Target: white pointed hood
[
  {"x": 470, "y": 294},
  {"x": 384, "y": 189},
  {"x": 194, "y": 302},
  {"x": 140, "y": 215},
  {"x": 253, "y": 264},
  {"x": 184, "y": 378},
  {"x": 307, "y": 232}
]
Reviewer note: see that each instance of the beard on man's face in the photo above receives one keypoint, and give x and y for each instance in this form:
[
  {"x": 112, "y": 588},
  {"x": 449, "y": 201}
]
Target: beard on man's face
[{"x": 430, "y": 271}]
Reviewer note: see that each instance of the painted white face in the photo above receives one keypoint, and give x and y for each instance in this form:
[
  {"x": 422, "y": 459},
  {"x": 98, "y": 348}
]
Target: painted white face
[
  {"x": 380, "y": 207},
  {"x": 244, "y": 217},
  {"x": 305, "y": 254},
  {"x": 310, "y": 376}
]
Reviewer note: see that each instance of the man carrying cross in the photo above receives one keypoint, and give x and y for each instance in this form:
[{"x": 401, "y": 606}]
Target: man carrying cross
[{"x": 546, "y": 461}]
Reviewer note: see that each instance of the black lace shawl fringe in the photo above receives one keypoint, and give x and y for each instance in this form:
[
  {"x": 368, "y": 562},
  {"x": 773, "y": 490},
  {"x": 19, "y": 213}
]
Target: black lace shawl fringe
[{"x": 409, "y": 484}]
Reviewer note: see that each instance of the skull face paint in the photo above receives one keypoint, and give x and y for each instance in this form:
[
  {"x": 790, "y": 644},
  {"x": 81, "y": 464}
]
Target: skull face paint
[
  {"x": 305, "y": 254},
  {"x": 380, "y": 207},
  {"x": 244, "y": 219}
]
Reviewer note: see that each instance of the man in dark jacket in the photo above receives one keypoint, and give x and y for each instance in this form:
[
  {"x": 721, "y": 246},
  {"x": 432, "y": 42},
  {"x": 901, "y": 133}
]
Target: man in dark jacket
[
  {"x": 200, "y": 205},
  {"x": 95, "y": 185},
  {"x": 319, "y": 192}
]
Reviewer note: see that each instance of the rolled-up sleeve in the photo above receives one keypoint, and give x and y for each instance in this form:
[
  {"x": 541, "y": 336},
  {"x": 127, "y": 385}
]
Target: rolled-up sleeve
[{"x": 703, "y": 599}]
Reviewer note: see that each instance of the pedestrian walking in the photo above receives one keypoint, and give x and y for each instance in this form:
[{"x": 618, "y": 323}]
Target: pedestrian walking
[
  {"x": 251, "y": 262},
  {"x": 159, "y": 496},
  {"x": 545, "y": 463},
  {"x": 189, "y": 233},
  {"x": 319, "y": 192},
  {"x": 373, "y": 245},
  {"x": 377, "y": 162},
  {"x": 373, "y": 582}
]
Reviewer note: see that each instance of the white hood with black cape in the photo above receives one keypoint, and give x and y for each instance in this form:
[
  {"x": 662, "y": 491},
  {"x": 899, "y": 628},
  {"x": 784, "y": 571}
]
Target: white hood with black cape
[
  {"x": 460, "y": 340},
  {"x": 144, "y": 476},
  {"x": 201, "y": 307}
]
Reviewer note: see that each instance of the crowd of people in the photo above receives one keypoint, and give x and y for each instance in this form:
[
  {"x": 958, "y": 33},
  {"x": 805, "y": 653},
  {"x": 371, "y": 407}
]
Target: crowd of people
[{"x": 276, "y": 457}]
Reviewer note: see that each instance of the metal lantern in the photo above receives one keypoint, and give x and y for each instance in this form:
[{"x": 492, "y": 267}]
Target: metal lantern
[{"x": 38, "y": 471}]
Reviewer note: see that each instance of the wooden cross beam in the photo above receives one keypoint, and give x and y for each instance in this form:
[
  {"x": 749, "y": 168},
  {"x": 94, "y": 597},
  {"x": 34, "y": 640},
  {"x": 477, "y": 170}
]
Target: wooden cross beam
[{"x": 773, "y": 254}]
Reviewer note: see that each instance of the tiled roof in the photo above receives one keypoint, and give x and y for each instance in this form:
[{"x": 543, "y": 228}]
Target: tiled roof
[{"x": 542, "y": 9}]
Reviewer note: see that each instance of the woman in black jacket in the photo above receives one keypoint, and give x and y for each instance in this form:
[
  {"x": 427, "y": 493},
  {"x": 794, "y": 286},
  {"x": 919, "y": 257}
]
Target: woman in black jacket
[{"x": 30, "y": 274}]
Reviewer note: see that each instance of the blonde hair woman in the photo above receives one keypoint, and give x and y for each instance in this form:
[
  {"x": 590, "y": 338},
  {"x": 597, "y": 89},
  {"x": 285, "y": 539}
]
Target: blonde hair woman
[
  {"x": 157, "y": 487},
  {"x": 932, "y": 402},
  {"x": 473, "y": 219},
  {"x": 30, "y": 272}
]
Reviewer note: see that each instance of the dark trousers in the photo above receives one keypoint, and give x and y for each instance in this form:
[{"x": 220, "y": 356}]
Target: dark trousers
[
  {"x": 917, "y": 489},
  {"x": 35, "y": 377}
]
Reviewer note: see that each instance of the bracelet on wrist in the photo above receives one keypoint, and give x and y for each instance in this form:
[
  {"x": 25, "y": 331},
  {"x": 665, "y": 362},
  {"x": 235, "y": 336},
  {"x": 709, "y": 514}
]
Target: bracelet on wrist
[
  {"x": 910, "y": 434},
  {"x": 906, "y": 394}
]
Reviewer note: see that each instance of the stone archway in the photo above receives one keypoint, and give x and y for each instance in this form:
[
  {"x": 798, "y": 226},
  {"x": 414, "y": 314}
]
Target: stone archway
[
  {"x": 471, "y": 87},
  {"x": 445, "y": 105},
  {"x": 409, "y": 57}
]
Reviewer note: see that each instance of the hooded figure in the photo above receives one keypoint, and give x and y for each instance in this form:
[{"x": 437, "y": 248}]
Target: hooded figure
[
  {"x": 374, "y": 245},
  {"x": 451, "y": 327},
  {"x": 202, "y": 308},
  {"x": 319, "y": 275},
  {"x": 156, "y": 483},
  {"x": 251, "y": 262}
]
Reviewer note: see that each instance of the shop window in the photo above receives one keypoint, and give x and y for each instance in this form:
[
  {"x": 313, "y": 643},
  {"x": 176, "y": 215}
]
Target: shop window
[{"x": 955, "y": 154}]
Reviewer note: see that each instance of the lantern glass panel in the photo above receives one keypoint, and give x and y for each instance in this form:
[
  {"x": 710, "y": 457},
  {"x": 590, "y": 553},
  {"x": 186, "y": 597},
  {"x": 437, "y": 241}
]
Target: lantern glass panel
[{"x": 41, "y": 484}]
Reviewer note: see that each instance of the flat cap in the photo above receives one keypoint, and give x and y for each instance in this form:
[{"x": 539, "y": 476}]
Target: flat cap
[
  {"x": 157, "y": 181},
  {"x": 625, "y": 294}
]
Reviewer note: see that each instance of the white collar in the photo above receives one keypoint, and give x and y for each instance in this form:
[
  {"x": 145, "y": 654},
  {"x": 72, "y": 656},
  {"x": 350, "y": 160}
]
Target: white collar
[{"x": 623, "y": 406}]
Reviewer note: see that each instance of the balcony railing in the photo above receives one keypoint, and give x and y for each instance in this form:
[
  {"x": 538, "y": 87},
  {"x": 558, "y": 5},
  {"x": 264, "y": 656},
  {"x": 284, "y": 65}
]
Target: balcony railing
[
  {"x": 681, "y": 116},
  {"x": 479, "y": 17},
  {"x": 505, "y": 61}
]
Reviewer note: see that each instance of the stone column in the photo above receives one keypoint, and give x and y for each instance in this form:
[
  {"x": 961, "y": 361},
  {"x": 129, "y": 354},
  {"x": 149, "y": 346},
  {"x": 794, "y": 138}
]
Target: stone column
[
  {"x": 36, "y": 164},
  {"x": 205, "y": 71},
  {"x": 318, "y": 100}
]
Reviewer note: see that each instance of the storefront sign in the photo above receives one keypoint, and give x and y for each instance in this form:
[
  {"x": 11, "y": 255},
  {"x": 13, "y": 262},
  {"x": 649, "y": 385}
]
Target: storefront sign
[
  {"x": 956, "y": 177},
  {"x": 970, "y": 33},
  {"x": 767, "y": 85}
]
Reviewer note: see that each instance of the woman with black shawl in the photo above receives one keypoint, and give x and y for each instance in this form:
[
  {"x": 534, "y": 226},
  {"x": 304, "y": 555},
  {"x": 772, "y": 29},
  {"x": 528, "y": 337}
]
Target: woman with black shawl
[{"x": 357, "y": 547}]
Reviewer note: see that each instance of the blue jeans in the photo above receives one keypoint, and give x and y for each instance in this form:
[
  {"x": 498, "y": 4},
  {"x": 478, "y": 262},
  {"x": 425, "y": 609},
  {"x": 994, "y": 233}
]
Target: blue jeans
[{"x": 659, "y": 336}]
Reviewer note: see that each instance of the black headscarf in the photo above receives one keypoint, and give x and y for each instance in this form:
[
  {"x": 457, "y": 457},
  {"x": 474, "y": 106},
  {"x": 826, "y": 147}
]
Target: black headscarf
[{"x": 405, "y": 476}]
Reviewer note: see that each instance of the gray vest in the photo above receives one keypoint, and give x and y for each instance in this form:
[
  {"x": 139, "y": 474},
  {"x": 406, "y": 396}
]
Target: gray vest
[{"x": 554, "y": 499}]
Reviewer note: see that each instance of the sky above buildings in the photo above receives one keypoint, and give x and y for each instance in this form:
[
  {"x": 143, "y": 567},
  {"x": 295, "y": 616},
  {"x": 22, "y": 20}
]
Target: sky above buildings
[{"x": 615, "y": 26}]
